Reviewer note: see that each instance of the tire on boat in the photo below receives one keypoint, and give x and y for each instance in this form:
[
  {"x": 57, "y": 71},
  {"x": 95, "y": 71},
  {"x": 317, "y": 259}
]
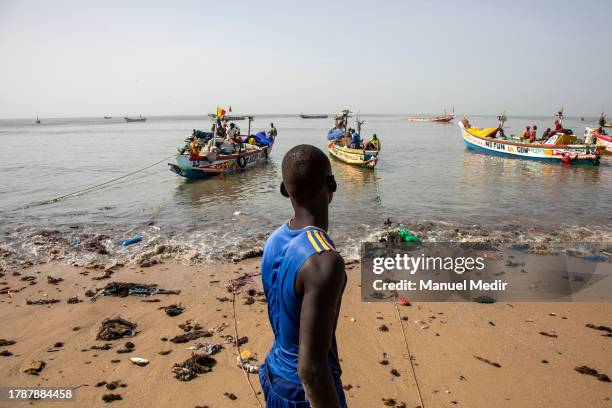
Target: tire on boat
[{"x": 242, "y": 161}]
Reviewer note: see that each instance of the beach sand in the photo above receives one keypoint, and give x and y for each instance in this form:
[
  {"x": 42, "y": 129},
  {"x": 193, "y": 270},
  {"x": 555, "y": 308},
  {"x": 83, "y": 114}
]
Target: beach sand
[{"x": 445, "y": 340}]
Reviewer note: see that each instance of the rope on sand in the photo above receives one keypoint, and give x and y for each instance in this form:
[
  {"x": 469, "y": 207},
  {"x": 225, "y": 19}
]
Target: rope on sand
[
  {"x": 97, "y": 186},
  {"x": 246, "y": 375},
  {"x": 416, "y": 381}
]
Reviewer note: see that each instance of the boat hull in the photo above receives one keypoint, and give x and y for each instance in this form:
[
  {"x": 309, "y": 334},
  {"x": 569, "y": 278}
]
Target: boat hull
[
  {"x": 361, "y": 158},
  {"x": 604, "y": 141},
  {"x": 313, "y": 116},
  {"x": 439, "y": 119},
  {"x": 530, "y": 151},
  {"x": 198, "y": 167},
  {"x": 135, "y": 119}
]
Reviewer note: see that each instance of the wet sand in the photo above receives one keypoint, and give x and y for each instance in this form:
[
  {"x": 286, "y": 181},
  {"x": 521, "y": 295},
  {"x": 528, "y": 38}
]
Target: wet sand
[{"x": 445, "y": 340}]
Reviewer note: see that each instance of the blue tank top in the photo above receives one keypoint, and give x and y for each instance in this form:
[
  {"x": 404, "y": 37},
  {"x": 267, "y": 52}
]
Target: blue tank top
[{"x": 285, "y": 252}]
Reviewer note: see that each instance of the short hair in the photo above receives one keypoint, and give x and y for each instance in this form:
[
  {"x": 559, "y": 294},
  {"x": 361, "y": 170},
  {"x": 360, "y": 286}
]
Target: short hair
[{"x": 305, "y": 170}]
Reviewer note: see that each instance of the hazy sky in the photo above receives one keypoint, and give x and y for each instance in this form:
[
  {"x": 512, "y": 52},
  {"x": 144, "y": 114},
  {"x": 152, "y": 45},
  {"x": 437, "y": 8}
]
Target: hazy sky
[{"x": 85, "y": 58}]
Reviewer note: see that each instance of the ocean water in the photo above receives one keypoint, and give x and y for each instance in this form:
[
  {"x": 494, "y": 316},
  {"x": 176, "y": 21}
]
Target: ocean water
[{"x": 426, "y": 179}]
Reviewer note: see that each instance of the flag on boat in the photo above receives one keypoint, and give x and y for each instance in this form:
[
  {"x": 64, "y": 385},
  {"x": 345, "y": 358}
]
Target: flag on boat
[{"x": 220, "y": 112}]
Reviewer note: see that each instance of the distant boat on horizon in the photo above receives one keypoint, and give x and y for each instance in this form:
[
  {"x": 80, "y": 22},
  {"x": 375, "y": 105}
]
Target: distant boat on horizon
[
  {"x": 37, "y": 120},
  {"x": 138, "y": 119},
  {"x": 447, "y": 117},
  {"x": 303, "y": 116},
  {"x": 230, "y": 117},
  {"x": 108, "y": 117}
]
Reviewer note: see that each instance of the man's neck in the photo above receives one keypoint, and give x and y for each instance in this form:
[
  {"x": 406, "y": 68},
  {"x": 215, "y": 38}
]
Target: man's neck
[{"x": 307, "y": 218}]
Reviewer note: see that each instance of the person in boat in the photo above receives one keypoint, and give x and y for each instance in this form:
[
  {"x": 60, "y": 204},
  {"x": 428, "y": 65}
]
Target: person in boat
[
  {"x": 558, "y": 128},
  {"x": 373, "y": 144},
  {"x": 231, "y": 133},
  {"x": 355, "y": 140},
  {"x": 252, "y": 141},
  {"x": 347, "y": 139},
  {"x": 546, "y": 135},
  {"x": 525, "y": 134},
  {"x": 194, "y": 147},
  {"x": 602, "y": 120},
  {"x": 273, "y": 132},
  {"x": 533, "y": 134},
  {"x": 466, "y": 122},
  {"x": 303, "y": 278}
]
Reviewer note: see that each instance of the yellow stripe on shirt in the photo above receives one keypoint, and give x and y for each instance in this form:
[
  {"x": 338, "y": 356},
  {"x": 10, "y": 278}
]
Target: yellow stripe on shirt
[
  {"x": 328, "y": 242},
  {"x": 312, "y": 241},
  {"x": 321, "y": 240}
]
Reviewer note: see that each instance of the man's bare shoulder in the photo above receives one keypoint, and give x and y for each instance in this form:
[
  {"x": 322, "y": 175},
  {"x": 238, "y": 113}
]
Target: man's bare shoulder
[{"x": 326, "y": 268}]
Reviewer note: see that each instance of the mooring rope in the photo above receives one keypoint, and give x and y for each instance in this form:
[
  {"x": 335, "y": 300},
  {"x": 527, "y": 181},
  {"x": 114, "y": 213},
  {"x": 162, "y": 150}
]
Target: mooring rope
[
  {"x": 246, "y": 375},
  {"x": 96, "y": 187},
  {"x": 416, "y": 381}
]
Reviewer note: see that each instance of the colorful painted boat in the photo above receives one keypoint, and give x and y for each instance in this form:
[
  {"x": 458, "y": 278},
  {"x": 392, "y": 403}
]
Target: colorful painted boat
[
  {"x": 202, "y": 167},
  {"x": 357, "y": 157},
  {"x": 230, "y": 118},
  {"x": 553, "y": 150},
  {"x": 603, "y": 141},
  {"x": 447, "y": 117}
]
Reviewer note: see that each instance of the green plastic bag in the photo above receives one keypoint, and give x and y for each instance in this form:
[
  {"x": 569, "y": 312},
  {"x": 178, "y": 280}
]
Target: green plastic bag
[{"x": 408, "y": 236}]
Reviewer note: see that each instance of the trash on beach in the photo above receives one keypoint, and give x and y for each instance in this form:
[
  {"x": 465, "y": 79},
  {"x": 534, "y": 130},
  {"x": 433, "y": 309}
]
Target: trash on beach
[
  {"x": 131, "y": 241},
  {"x": 105, "y": 346},
  {"x": 383, "y": 328},
  {"x": 247, "y": 361},
  {"x": 53, "y": 281},
  {"x": 192, "y": 335},
  {"x": 42, "y": 301},
  {"x": 232, "y": 340},
  {"x": 602, "y": 328},
  {"x": 173, "y": 310},
  {"x": 123, "y": 289},
  {"x": 192, "y": 367},
  {"x": 237, "y": 283},
  {"x": 188, "y": 326},
  {"x": 113, "y": 329},
  {"x": 5, "y": 353},
  {"x": 404, "y": 302},
  {"x": 591, "y": 371},
  {"x": 394, "y": 372},
  {"x": 33, "y": 367},
  {"x": 127, "y": 348},
  {"x": 5, "y": 342},
  {"x": 73, "y": 300},
  {"x": 385, "y": 360},
  {"x": 487, "y": 361},
  {"x": 139, "y": 361},
  {"x": 206, "y": 348},
  {"x": 543, "y": 333},
  {"x": 401, "y": 235},
  {"x": 111, "y": 397}
]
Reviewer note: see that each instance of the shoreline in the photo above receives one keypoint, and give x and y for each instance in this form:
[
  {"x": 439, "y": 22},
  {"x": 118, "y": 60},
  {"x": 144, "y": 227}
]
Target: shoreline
[{"x": 455, "y": 346}]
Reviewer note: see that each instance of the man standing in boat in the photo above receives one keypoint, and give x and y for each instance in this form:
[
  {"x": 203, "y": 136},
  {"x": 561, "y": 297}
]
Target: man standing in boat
[{"x": 303, "y": 278}]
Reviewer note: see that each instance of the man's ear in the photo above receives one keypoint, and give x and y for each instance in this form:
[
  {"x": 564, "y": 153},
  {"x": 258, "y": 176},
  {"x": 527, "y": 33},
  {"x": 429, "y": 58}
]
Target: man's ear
[
  {"x": 331, "y": 183},
  {"x": 283, "y": 190}
]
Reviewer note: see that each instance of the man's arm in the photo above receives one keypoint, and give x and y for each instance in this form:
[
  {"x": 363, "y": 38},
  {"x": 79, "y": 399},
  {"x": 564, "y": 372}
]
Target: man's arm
[{"x": 322, "y": 280}]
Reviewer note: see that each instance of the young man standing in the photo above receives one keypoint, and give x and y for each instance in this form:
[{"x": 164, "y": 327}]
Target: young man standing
[{"x": 303, "y": 278}]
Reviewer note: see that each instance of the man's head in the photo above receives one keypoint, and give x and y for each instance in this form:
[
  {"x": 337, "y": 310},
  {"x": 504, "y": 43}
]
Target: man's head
[
  {"x": 271, "y": 125},
  {"x": 232, "y": 125},
  {"x": 307, "y": 176},
  {"x": 535, "y": 127}
]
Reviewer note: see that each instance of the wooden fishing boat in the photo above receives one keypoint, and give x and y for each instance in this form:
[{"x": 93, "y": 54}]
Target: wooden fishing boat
[
  {"x": 313, "y": 116},
  {"x": 447, "y": 117},
  {"x": 357, "y": 157},
  {"x": 603, "y": 141},
  {"x": 224, "y": 158},
  {"x": 552, "y": 150},
  {"x": 107, "y": 117},
  {"x": 138, "y": 119},
  {"x": 202, "y": 167},
  {"x": 231, "y": 118}
]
